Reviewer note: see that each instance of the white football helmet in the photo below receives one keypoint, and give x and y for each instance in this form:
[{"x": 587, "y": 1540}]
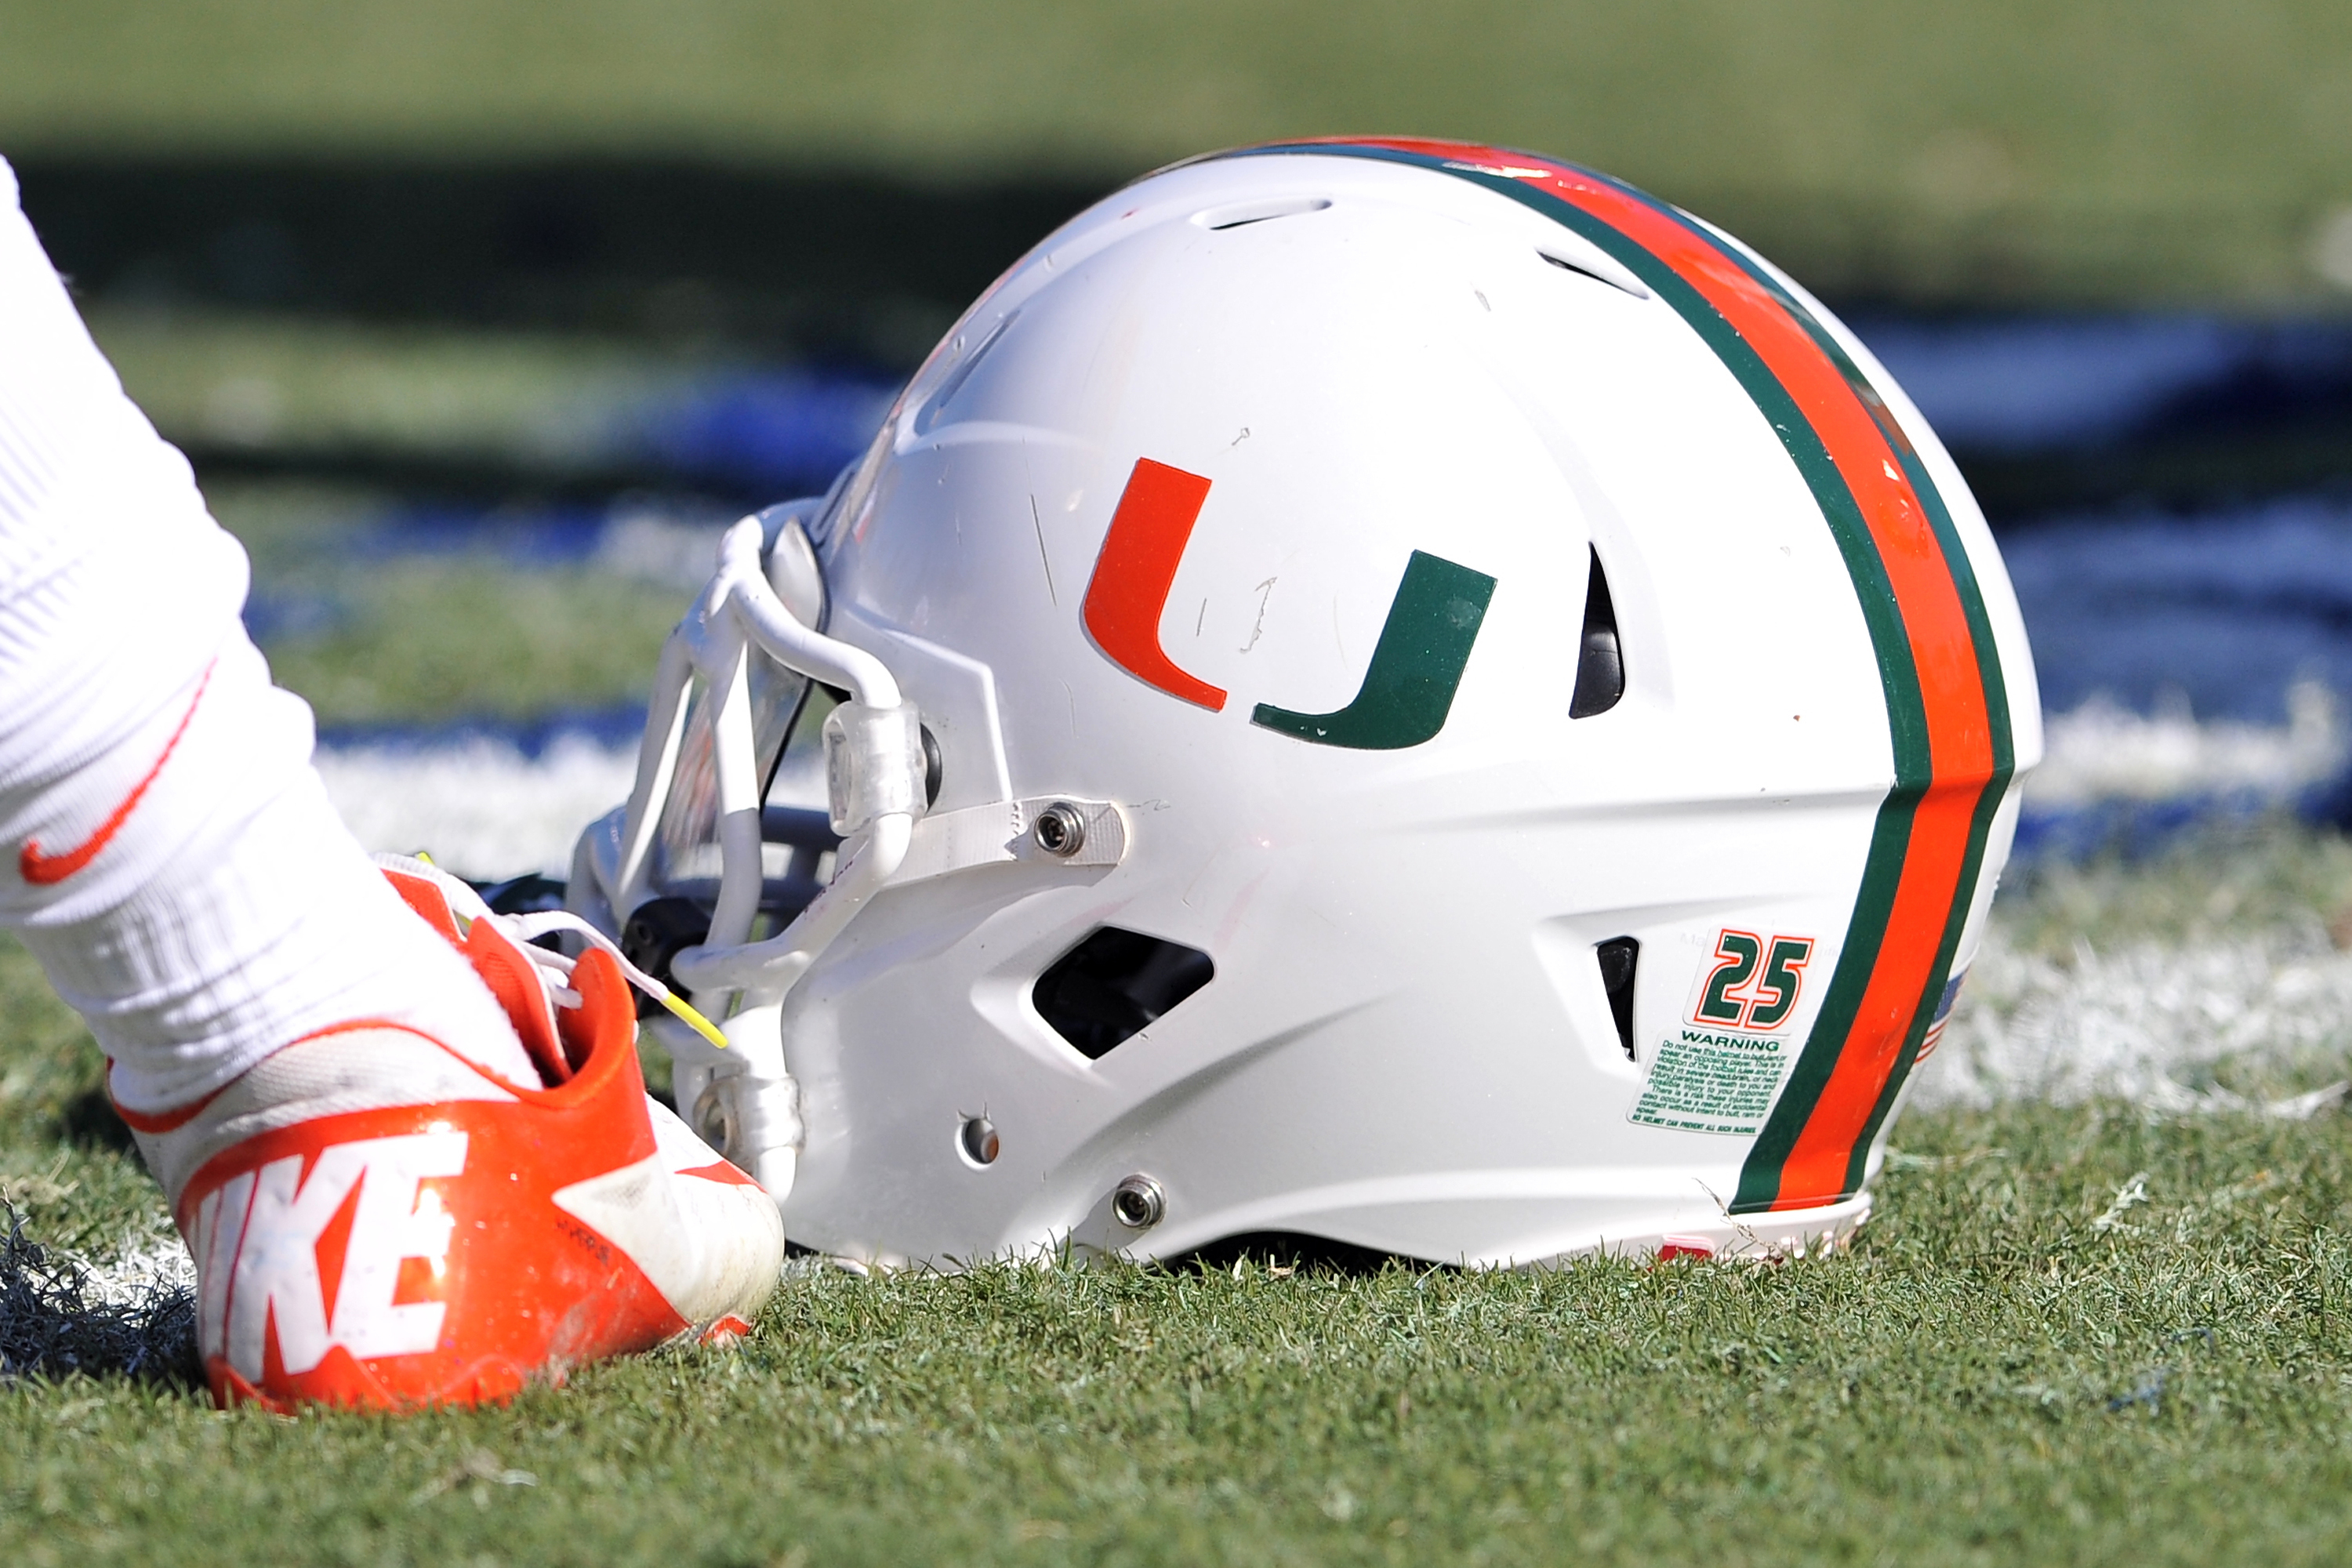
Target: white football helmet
[{"x": 1396, "y": 692}]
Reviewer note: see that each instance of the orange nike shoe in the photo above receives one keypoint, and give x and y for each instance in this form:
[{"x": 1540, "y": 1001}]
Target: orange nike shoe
[{"x": 377, "y": 1221}]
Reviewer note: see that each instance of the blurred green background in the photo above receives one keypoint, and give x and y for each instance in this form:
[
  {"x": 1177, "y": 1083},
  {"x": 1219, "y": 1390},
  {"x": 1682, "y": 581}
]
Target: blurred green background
[{"x": 1997, "y": 151}]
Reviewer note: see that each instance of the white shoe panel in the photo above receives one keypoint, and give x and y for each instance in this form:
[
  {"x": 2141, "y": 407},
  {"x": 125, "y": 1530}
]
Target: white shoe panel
[
  {"x": 357, "y": 1069},
  {"x": 742, "y": 1235},
  {"x": 712, "y": 1249}
]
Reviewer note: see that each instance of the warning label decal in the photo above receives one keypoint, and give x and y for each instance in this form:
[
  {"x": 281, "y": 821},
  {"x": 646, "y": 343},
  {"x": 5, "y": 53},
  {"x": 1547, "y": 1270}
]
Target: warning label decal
[{"x": 1705, "y": 1081}]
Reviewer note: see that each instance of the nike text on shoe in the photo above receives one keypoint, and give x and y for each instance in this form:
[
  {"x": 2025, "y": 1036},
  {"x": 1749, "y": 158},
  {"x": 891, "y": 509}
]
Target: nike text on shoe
[{"x": 377, "y": 1221}]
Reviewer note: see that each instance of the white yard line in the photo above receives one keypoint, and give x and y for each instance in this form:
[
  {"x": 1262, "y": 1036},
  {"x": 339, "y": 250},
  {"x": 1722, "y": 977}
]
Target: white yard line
[
  {"x": 481, "y": 808},
  {"x": 140, "y": 1274},
  {"x": 2102, "y": 751},
  {"x": 2148, "y": 1022}
]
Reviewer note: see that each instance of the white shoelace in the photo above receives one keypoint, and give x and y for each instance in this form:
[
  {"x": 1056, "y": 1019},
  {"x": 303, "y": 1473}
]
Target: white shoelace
[{"x": 553, "y": 968}]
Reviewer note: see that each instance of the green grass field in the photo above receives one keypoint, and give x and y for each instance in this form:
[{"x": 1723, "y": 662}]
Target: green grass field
[{"x": 2072, "y": 1334}]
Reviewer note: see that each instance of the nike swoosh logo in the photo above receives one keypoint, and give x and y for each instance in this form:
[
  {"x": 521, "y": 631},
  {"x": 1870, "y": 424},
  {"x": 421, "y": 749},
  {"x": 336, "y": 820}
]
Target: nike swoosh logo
[{"x": 48, "y": 870}]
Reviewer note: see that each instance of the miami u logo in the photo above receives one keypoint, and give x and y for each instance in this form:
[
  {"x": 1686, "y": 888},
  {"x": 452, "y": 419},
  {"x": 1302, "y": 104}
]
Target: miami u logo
[{"x": 1417, "y": 664}]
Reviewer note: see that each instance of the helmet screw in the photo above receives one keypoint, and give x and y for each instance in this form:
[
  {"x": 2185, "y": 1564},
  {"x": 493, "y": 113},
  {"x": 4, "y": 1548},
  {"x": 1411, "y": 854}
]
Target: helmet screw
[
  {"x": 1060, "y": 829},
  {"x": 977, "y": 1138},
  {"x": 1137, "y": 1203}
]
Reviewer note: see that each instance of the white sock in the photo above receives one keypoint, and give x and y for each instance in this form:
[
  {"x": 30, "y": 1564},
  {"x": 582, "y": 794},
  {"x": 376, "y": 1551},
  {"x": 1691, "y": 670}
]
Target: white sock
[{"x": 227, "y": 911}]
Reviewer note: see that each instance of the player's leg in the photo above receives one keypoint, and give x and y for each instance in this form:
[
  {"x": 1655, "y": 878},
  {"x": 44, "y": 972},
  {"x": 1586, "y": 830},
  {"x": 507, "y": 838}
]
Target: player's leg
[{"x": 306, "y": 1060}]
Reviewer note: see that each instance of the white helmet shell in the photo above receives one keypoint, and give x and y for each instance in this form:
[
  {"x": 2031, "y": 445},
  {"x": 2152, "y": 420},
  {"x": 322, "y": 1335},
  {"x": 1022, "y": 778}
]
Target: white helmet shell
[{"x": 1546, "y": 712}]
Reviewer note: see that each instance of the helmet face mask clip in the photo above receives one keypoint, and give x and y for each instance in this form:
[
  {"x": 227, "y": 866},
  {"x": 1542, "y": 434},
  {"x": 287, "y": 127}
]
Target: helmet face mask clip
[{"x": 1415, "y": 694}]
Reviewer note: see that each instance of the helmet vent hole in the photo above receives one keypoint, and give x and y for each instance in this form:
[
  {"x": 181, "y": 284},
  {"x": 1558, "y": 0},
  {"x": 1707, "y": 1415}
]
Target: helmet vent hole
[
  {"x": 1620, "y": 957},
  {"x": 1584, "y": 270},
  {"x": 929, "y": 414},
  {"x": 1106, "y": 989},
  {"x": 1239, "y": 214},
  {"x": 1600, "y": 660}
]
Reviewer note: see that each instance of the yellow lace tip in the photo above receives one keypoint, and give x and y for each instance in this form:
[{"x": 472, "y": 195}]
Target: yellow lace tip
[
  {"x": 702, "y": 1025},
  {"x": 426, "y": 859}
]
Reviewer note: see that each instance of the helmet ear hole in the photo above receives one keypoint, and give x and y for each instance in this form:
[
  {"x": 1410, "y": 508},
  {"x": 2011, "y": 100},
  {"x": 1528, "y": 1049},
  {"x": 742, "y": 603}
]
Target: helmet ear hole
[{"x": 1113, "y": 984}]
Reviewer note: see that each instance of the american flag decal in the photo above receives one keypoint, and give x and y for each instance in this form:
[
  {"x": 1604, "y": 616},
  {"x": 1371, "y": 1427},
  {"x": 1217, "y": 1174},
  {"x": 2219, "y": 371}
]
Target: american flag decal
[{"x": 1934, "y": 1035}]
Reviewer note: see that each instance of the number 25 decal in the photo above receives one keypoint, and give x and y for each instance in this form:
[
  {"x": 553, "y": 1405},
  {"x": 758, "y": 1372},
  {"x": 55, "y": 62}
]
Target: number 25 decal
[{"x": 1755, "y": 981}]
